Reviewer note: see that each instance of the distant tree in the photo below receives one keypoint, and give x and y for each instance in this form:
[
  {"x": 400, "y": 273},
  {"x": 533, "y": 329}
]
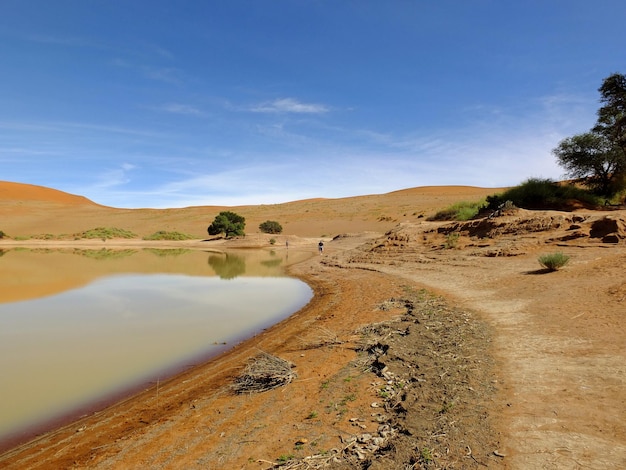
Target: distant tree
[
  {"x": 599, "y": 156},
  {"x": 270, "y": 226},
  {"x": 228, "y": 223},
  {"x": 593, "y": 157}
]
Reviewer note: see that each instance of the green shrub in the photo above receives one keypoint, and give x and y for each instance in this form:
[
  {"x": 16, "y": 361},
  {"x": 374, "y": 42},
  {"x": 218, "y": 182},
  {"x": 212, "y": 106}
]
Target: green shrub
[
  {"x": 464, "y": 210},
  {"x": 452, "y": 240},
  {"x": 270, "y": 226},
  {"x": 536, "y": 193},
  {"x": 553, "y": 261},
  {"x": 171, "y": 236},
  {"x": 106, "y": 233},
  {"x": 2, "y": 234}
]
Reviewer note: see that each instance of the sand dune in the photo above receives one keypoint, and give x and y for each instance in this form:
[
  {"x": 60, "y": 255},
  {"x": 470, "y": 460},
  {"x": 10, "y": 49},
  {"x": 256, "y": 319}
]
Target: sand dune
[{"x": 34, "y": 210}]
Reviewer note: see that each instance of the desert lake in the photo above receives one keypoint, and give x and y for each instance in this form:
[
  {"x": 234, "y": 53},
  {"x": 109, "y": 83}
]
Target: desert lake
[{"x": 78, "y": 326}]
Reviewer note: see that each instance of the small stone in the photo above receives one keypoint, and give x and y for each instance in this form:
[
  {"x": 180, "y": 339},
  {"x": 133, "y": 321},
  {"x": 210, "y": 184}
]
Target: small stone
[{"x": 378, "y": 441}]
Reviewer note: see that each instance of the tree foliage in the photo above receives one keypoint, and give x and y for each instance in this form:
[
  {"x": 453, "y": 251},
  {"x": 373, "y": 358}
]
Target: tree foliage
[
  {"x": 599, "y": 156},
  {"x": 228, "y": 223},
  {"x": 270, "y": 226},
  {"x": 593, "y": 157}
]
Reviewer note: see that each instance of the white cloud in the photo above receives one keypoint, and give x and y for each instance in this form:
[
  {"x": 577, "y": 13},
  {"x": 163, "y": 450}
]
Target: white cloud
[
  {"x": 178, "y": 108},
  {"x": 115, "y": 177},
  {"x": 290, "y": 105}
]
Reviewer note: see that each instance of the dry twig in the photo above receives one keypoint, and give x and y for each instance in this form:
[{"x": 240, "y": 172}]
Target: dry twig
[{"x": 264, "y": 372}]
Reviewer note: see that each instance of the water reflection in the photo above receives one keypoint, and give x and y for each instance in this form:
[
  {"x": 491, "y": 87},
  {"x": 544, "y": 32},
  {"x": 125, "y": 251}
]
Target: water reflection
[
  {"x": 227, "y": 266},
  {"x": 76, "y": 328}
]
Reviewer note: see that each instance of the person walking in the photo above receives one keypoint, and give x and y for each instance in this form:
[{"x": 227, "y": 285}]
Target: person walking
[{"x": 320, "y": 247}]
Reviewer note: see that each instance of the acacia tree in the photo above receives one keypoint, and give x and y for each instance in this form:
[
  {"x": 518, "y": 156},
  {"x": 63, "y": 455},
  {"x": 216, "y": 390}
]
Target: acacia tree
[
  {"x": 599, "y": 156},
  {"x": 612, "y": 116},
  {"x": 228, "y": 223},
  {"x": 590, "y": 156}
]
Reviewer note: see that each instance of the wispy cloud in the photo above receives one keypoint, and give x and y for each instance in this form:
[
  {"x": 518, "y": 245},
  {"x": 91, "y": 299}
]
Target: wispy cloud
[
  {"x": 179, "y": 108},
  {"x": 289, "y": 105},
  {"x": 115, "y": 177},
  {"x": 60, "y": 40}
]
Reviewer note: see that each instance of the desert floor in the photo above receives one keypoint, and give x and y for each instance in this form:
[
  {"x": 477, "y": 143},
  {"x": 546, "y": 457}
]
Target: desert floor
[{"x": 419, "y": 350}]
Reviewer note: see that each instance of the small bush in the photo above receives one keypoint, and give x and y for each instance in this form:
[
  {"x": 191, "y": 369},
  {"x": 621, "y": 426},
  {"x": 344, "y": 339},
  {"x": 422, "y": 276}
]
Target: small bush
[
  {"x": 536, "y": 193},
  {"x": 553, "y": 261},
  {"x": 2, "y": 234},
  {"x": 272, "y": 241},
  {"x": 452, "y": 240},
  {"x": 464, "y": 210},
  {"x": 45, "y": 236},
  {"x": 270, "y": 226},
  {"x": 171, "y": 236},
  {"x": 106, "y": 233}
]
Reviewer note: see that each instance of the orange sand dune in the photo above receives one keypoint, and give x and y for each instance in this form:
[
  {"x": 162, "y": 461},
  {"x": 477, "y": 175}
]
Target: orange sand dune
[
  {"x": 27, "y": 192},
  {"x": 34, "y": 210}
]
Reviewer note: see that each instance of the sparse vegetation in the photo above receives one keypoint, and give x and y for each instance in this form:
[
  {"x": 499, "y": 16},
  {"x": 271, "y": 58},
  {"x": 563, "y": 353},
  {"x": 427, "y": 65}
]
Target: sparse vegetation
[
  {"x": 464, "y": 210},
  {"x": 2, "y": 234},
  {"x": 286, "y": 457},
  {"x": 44, "y": 236},
  {"x": 554, "y": 261},
  {"x": 170, "y": 236},
  {"x": 105, "y": 233},
  {"x": 426, "y": 455},
  {"x": 537, "y": 193},
  {"x": 270, "y": 226},
  {"x": 452, "y": 240}
]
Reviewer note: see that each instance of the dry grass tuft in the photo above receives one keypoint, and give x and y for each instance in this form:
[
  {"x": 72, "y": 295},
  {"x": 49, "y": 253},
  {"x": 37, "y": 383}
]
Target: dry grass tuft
[{"x": 320, "y": 337}]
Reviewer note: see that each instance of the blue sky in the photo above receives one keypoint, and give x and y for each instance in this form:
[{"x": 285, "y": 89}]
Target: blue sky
[{"x": 172, "y": 103}]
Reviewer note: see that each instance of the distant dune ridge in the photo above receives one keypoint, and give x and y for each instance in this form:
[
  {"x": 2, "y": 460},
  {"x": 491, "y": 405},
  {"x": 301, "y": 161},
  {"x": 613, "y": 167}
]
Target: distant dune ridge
[
  {"x": 28, "y": 192},
  {"x": 29, "y": 210}
]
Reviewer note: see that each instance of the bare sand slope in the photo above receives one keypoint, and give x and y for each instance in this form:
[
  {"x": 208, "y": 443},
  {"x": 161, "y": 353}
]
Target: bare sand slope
[{"x": 512, "y": 367}]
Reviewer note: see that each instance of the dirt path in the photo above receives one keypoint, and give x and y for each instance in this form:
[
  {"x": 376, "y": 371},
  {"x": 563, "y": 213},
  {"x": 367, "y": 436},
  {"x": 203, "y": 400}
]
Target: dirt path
[{"x": 559, "y": 339}]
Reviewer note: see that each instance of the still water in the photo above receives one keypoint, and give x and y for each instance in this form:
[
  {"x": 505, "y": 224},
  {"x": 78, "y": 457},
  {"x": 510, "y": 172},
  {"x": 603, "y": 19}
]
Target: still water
[{"x": 78, "y": 327}]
